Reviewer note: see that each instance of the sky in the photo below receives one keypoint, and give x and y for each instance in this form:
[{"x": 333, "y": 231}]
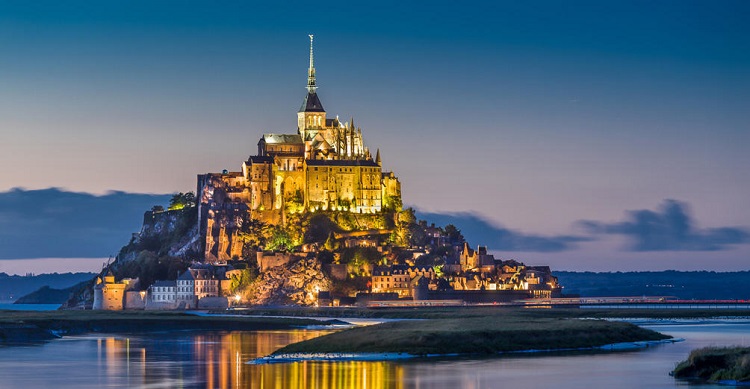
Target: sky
[{"x": 586, "y": 135}]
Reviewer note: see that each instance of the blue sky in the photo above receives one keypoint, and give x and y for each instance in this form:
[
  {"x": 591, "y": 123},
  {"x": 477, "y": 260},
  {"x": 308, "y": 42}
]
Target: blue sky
[{"x": 532, "y": 116}]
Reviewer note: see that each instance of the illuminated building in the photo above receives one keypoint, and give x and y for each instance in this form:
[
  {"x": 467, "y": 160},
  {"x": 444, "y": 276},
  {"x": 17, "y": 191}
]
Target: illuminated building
[
  {"x": 325, "y": 166},
  {"x": 109, "y": 294}
]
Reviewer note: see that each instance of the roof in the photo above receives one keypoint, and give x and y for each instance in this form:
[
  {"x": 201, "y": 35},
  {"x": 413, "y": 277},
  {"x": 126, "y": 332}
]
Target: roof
[
  {"x": 282, "y": 138},
  {"x": 312, "y": 103},
  {"x": 187, "y": 275},
  {"x": 259, "y": 159},
  {"x": 164, "y": 283},
  {"x": 341, "y": 162}
]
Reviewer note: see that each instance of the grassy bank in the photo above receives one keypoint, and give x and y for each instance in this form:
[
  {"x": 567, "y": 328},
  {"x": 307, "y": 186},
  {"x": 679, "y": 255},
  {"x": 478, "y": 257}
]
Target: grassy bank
[
  {"x": 475, "y": 335},
  {"x": 26, "y": 326},
  {"x": 716, "y": 364}
]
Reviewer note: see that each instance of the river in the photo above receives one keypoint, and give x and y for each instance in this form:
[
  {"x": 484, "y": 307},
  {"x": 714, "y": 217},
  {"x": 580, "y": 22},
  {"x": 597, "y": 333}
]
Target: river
[{"x": 217, "y": 360}]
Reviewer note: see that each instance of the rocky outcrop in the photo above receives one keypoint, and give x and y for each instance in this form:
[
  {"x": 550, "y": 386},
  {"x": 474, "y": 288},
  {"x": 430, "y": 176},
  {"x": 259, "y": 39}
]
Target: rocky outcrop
[{"x": 296, "y": 283}]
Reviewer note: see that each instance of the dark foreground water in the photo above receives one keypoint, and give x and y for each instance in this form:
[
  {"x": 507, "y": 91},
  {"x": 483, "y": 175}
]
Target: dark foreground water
[
  {"x": 29, "y": 307},
  {"x": 217, "y": 360}
]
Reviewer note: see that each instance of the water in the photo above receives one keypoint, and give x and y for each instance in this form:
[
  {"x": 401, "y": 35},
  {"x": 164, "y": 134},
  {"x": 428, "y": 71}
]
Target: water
[
  {"x": 29, "y": 307},
  {"x": 216, "y": 360}
]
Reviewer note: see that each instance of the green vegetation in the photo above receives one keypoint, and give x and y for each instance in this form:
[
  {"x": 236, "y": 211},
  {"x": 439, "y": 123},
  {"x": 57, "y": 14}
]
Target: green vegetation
[
  {"x": 148, "y": 267},
  {"x": 241, "y": 281},
  {"x": 475, "y": 335},
  {"x": 181, "y": 201},
  {"x": 716, "y": 364}
]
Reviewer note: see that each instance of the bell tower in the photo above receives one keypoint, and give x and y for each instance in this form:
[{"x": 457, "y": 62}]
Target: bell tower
[{"x": 311, "y": 117}]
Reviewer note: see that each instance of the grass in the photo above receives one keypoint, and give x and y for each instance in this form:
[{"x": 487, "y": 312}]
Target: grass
[
  {"x": 475, "y": 335},
  {"x": 716, "y": 364}
]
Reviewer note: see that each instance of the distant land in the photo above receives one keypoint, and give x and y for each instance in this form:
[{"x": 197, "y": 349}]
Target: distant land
[
  {"x": 698, "y": 285},
  {"x": 687, "y": 285},
  {"x": 13, "y": 287}
]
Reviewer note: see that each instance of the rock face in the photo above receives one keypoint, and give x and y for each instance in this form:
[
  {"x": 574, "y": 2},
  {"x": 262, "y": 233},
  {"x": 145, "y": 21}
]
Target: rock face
[
  {"x": 297, "y": 283},
  {"x": 172, "y": 233}
]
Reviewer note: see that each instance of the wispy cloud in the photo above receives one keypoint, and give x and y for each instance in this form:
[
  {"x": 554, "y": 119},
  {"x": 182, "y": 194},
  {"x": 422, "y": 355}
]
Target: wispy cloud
[
  {"x": 669, "y": 228},
  {"x": 478, "y": 230},
  {"x": 54, "y": 223}
]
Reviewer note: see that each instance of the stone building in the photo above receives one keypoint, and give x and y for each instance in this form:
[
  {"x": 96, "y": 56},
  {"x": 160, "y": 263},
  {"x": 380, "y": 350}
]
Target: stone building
[
  {"x": 477, "y": 259},
  {"x": 162, "y": 295},
  {"x": 109, "y": 294},
  {"x": 325, "y": 165}
]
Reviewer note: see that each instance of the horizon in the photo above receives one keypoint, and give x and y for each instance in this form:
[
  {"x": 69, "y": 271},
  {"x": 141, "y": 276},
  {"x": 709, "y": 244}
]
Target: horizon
[{"x": 605, "y": 138}]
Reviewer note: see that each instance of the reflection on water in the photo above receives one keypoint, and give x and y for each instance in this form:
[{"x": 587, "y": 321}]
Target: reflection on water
[
  {"x": 187, "y": 359},
  {"x": 217, "y": 360}
]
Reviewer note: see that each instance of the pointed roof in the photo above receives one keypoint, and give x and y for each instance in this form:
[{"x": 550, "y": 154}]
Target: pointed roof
[{"x": 312, "y": 103}]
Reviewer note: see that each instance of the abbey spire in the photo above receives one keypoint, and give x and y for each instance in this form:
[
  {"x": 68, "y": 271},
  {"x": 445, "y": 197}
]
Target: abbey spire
[
  {"x": 311, "y": 70},
  {"x": 311, "y": 115}
]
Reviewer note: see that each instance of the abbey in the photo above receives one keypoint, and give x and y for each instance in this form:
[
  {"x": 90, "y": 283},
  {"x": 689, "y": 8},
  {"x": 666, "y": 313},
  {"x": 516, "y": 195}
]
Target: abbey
[{"x": 324, "y": 166}]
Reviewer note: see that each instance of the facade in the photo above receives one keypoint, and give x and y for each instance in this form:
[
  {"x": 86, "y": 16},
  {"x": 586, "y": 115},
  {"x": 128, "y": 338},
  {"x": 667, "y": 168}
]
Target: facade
[
  {"x": 109, "y": 294},
  {"x": 194, "y": 285},
  {"x": 477, "y": 259},
  {"x": 399, "y": 279},
  {"x": 324, "y": 166},
  {"x": 163, "y": 293}
]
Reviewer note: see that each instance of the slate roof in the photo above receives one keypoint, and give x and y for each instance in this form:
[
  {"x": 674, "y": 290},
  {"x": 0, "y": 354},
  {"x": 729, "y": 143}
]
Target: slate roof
[
  {"x": 164, "y": 283},
  {"x": 340, "y": 162},
  {"x": 312, "y": 103},
  {"x": 259, "y": 159},
  {"x": 282, "y": 138}
]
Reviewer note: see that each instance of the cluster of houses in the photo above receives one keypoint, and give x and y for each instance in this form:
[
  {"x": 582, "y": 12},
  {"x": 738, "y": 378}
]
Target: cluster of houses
[
  {"x": 472, "y": 270},
  {"x": 200, "y": 286}
]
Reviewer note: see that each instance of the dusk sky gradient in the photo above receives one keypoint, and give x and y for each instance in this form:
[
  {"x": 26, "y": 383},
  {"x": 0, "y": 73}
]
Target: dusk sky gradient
[{"x": 532, "y": 116}]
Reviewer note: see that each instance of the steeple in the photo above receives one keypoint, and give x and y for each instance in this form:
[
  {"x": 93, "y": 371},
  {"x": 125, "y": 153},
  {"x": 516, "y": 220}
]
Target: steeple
[
  {"x": 311, "y": 117},
  {"x": 312, "y": 102},
  {"x": 311, "y": 70}
]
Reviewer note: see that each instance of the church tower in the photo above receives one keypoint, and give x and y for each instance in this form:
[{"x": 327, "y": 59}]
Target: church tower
[{"x": 311, "y": 117}]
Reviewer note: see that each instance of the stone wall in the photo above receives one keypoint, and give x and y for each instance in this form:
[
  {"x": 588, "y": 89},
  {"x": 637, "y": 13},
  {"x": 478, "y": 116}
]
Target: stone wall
[{"x": 135, "y": 300}]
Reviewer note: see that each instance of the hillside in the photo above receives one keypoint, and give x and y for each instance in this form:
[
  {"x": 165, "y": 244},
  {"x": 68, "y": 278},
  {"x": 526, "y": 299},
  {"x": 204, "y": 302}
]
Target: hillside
[{"x": 12, "y": 287}]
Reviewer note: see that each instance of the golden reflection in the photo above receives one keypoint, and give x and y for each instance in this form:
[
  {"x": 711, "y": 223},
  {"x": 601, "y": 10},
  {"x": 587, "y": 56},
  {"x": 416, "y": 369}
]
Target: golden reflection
[{"x": 218, "y": 360}]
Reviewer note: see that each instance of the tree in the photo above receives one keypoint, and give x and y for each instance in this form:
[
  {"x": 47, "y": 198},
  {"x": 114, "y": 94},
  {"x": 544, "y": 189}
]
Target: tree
[
  {"x": 280, "y": 240},
  {"x": 182, "y": 200},
  {"x": 454, "y": 235}
]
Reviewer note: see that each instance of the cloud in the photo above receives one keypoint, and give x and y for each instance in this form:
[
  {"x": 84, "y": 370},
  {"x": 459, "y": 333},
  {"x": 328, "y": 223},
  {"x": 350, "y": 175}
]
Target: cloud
[
  {"x": 54, "y": 223},
  {"x": 669, "y": 228},
  {"x": 478, "y": 230}
]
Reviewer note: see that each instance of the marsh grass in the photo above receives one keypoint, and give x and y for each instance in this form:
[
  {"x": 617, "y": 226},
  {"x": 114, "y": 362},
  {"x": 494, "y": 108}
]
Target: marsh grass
[
  {"x": 716, "y": 364},
  {"x": 475, "y": 335}
]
